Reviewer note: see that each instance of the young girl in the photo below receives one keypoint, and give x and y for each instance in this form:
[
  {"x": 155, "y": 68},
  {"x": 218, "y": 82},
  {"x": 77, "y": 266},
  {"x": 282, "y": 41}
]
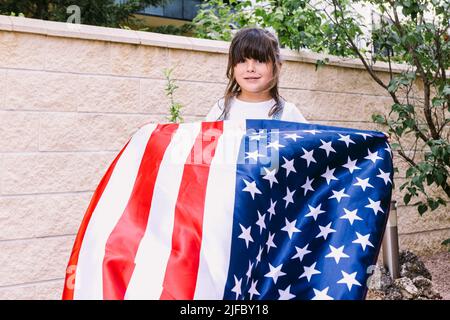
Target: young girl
[{"x": 253, "y": 71}]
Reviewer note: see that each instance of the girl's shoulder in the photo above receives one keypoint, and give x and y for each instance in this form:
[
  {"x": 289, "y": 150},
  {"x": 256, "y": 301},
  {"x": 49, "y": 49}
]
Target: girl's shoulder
[
  {"x": 215, "y": 112},
  {"x": 289, "y": 105},
  {"x": 292, "y": 113}
]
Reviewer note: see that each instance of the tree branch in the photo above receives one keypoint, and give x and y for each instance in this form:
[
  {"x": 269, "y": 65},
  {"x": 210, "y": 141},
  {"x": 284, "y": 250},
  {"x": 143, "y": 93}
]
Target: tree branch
[
  {"x": 357, "y": 52},
  {"x": 427, "y": 95}
]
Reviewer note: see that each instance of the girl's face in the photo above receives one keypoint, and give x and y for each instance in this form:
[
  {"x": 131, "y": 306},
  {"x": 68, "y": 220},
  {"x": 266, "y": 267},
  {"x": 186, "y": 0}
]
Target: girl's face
[{"x": 253, "y": 76}]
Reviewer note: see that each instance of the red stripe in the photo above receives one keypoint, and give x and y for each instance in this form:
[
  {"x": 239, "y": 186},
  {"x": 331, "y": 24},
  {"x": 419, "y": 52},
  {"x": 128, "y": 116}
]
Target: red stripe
[
  {"x": 182, "y": 268},
  {"x": 123, "y": 242},
  {"x": 69, "y": 283}
]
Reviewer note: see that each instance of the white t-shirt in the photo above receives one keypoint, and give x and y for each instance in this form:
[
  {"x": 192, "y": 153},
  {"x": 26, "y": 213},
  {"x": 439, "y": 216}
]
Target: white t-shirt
[{"x": 241, "y": 110}]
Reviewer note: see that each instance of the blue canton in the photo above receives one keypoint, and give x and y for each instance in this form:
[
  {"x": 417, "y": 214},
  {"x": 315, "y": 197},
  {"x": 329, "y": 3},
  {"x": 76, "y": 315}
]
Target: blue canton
[{"x": 311, "y": 205}]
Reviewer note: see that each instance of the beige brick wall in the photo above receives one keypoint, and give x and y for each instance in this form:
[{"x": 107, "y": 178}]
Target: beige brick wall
[{"x": 71, "y": 98}]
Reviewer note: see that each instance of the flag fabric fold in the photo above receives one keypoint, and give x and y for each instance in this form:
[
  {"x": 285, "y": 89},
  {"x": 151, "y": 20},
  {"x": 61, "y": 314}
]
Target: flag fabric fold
[{"x": 246, "y": 210}]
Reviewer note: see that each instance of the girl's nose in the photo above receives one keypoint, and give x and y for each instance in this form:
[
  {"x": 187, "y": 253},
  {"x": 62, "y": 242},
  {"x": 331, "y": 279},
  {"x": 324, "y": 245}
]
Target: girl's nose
[{"x": 250, "y": 65}]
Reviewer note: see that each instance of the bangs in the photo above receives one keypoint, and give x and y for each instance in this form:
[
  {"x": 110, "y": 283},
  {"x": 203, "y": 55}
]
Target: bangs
[{"x": 252, "y": 45}]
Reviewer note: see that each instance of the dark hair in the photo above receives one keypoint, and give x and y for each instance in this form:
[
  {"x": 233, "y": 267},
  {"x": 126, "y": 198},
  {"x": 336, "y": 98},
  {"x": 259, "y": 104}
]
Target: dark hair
[{"x": 258, "y": 44}]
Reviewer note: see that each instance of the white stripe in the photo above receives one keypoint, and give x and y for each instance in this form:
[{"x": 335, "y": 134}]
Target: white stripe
[
  {"x": 156, "y": 245},
  {"x": 109, "y": 209},
  {"x": 218, "y": 215}
]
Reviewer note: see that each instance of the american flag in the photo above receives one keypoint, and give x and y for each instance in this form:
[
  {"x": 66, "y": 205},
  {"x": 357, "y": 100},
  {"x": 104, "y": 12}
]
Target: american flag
[{"x": 235, "y": 210}]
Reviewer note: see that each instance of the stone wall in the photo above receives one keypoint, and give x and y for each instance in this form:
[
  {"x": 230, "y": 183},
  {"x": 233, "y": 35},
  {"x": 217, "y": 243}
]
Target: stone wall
[{"x": 71, "y": 96}]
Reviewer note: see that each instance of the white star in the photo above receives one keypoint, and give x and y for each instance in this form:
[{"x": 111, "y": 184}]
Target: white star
[
  {"x": 249, "y": 271},
  {"x": 301, "y": 252},
  {"x": 385, "y": 176},
  {"x": 363, "y": 183},
  {"x": 251, "y": 187},
  {"x": 313, "y": 132},
  {"x": 351, "y": 165},
  {"x": 338, "y": 195},
  {"x": 270, "y": 243},
  {"x": 288, "y": 197},
  {"x": 258, "y": 136},
  {"x": 261, "y": 221},
  {"x": 292, "y": 136},
  {"x": 258, "y": 257},
  {"x": 308, "y": 156},
  {"x": 314, "y": 212},
  {"x": 388, "y": 149},
  {"x": 349, "y": 280},
  {"x": 363, "y": 240},
  {"x": 254, "y": 155},
  {"x": 337, "y": 254},
  {"x": 270, "y": 175},
  {"x": 307, "y": 186},
  {"x": 237, "y": 287},
  {"x": 290, "y": 227},
  {"x": 253, "y": 290},
  {"x": 346, "y": 139},
  {"x": 309, "y": 272},
  {"x": 271, "y": 210},
  {"x": 275, "y": 145},
  {"x": 329, "y": 175},
  {"x": 274, "y": 273},
  {"x": 365, "y": 135},
  {"x": 324, "y": 231},
  {"x": 246, "y": 234},
  {"x": 321, "y": 295},
  {"x": 372, "y": 156},
  {"x": 285, "y": 294},
  {"x": 327, "y": 147},
  {"x": 375, "y": 206},
  {"x": 351, "y": 215},
  {"x": 289, "y": 166}
]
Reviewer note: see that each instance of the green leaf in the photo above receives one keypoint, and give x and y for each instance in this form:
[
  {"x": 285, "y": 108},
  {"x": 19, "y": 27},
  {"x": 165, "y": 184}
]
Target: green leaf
[
  {"x": 418, "y": 181},
  {"x": 321, "y": 62},
  {"x": 407, "y": 198},
  {"x": 378, "y": 118},
  {"x": 446, "y": 90},
  {"x": 438, "y": 102},
  {"x": 430, "y": 179},
  {"x": 395, "y": 146},
  {"x": 412, "y": 190},
  {"x": 422, "y": 208},
  {"x": 425, "y": 167},
  {"x": 433, "y": 204},
  {"x": 259, "y": 12},
  {"x": 410, "y": 171},
  {"x": 393, "y": 85},
  {"x": 435, "y": 151},
  {"x": 441, "y": 201},
  {"x": 403, "y": 186},
  {"x": 410, "y": 123}
]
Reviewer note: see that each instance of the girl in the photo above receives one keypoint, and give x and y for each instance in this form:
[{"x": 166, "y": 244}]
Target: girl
[{"x": 253, "y": 71}]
